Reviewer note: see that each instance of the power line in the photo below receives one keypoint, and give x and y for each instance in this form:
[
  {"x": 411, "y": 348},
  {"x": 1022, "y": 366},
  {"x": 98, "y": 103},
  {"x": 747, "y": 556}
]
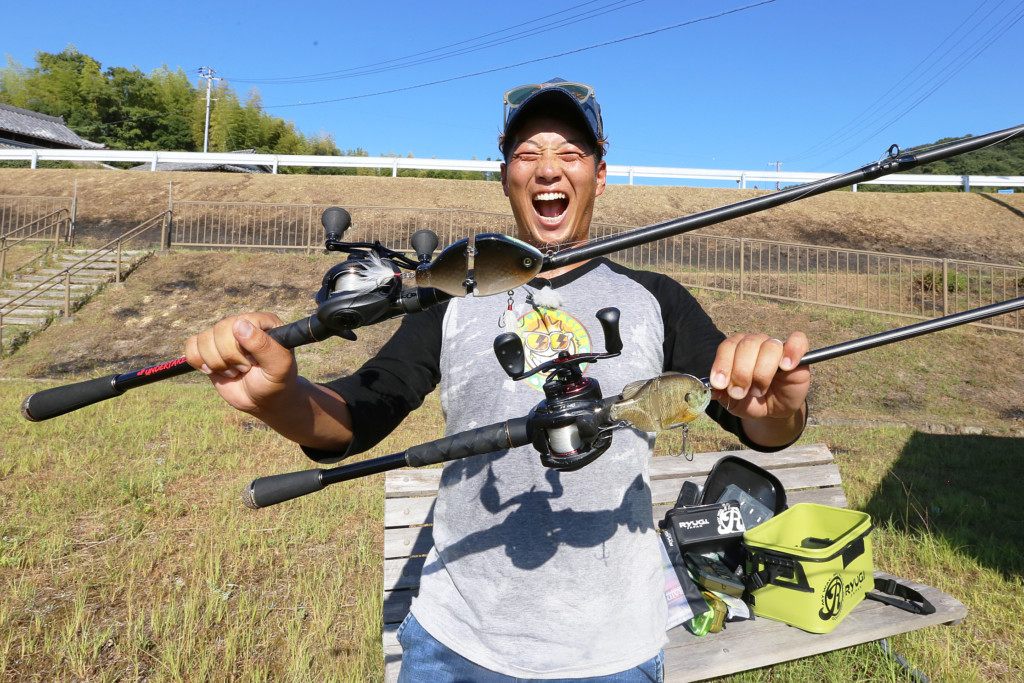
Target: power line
[
  {"x": 941, "y": 69},
  {"x": 528, "y": 61},
  {"x": 378, "y": 67},
  {"x": 963, "y": 60}
]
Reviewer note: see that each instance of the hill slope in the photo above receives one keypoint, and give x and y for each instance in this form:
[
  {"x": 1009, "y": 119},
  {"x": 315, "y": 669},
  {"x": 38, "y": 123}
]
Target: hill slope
[{"x": 983, "y": 227}]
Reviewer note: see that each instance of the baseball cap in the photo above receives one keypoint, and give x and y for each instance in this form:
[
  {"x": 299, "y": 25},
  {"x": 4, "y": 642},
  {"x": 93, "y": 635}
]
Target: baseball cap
[{"x": 579, "y": 96}]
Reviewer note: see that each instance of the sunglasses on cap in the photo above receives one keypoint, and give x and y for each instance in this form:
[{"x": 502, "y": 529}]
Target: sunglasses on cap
[{"x": 581, "y": 92}]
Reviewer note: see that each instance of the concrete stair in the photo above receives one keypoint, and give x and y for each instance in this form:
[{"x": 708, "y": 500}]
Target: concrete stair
[{"x": 29, "y": 300}]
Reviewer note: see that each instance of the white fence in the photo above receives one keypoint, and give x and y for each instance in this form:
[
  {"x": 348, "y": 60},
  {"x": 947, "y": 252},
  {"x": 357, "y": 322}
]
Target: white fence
[{"x": 276, "y": 161}]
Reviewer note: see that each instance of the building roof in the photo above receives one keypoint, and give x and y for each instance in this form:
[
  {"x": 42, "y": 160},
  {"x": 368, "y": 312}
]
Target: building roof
[{"x": 24, "y": 128}]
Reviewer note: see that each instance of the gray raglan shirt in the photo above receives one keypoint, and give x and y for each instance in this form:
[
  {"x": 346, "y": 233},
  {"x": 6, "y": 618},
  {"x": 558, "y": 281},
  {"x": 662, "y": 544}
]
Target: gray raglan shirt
[{"x": 537, "y": 573}]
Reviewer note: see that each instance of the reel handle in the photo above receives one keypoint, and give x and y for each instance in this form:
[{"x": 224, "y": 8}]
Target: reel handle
[{"x": 336, "y": 221}]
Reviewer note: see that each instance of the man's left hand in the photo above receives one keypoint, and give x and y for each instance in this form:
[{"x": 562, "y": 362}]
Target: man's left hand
[{"x": 755, "y": 376}]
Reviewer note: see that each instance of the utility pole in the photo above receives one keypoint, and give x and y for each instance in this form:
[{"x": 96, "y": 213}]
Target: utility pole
[
  {"x": 778, "y": 166},
  {"x": 207, "y": 73}
]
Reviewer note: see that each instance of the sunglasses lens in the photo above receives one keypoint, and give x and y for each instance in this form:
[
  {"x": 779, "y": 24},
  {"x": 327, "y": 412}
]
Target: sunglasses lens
[
  {"x": 578, "y": 90},
  {"x": 516, "y": 96}
]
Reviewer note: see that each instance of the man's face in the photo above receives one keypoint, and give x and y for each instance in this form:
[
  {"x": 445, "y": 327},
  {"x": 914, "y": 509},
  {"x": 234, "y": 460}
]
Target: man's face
[{"x": 551, "y": 182}]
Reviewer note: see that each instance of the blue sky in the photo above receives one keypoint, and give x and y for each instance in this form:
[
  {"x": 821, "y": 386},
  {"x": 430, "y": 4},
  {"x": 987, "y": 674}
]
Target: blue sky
[{"x": 816, "y": 85}]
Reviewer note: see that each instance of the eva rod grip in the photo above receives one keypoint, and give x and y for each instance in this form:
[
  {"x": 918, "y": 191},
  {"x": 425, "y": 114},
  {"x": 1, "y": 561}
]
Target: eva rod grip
[
  {"x": 495, "y": 437},
  {"x": 278, "y": 488},
  {"x": 307, "y": 331},
  {"x": 48, "y": 403}
]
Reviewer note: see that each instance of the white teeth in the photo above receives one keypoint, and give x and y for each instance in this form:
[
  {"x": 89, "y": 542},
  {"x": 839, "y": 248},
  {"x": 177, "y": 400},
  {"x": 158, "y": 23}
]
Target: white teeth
[{"x": 549, "y": 196}]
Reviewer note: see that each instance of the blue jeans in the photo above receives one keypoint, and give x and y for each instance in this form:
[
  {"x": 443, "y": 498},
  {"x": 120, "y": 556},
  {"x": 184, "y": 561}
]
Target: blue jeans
[{"x": 425, "y": 659}]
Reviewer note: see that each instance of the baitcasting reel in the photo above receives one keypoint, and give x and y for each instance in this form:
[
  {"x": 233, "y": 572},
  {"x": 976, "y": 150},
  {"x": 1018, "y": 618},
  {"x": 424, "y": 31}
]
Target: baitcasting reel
[
  {"x": 570, "y": 428},
  {"x": 370, "y": 286}
]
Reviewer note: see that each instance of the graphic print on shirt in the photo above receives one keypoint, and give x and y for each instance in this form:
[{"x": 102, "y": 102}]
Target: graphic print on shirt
[{"x": 546, "y": 333}]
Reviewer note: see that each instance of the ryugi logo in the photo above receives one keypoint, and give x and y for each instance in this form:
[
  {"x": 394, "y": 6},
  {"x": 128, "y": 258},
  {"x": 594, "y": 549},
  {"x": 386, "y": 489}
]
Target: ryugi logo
[
  {"x": 730, "y": 521},
  {"x": 834, "y": 593}
]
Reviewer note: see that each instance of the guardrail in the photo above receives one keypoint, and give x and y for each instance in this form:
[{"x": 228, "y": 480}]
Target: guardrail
[{"x": 395, "y": 164}]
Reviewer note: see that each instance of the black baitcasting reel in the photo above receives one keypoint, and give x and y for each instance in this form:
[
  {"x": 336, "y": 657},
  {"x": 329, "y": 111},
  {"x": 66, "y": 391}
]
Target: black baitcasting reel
[
  {"x": 570, "y": 427},
  {"x": 370, "y": 286}
]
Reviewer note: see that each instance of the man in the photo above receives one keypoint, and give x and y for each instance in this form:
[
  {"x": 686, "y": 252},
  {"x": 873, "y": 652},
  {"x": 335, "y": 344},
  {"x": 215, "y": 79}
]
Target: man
[{"x": 534, "y": 574}]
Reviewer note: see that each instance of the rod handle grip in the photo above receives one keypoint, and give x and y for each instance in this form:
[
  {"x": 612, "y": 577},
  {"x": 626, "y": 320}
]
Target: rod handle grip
[
  {"x": 306, "y": 331},
  {"x": 48, "y": 403},
  {"x": 278, "y": 488},
  {"x": 495, "y": 437}
]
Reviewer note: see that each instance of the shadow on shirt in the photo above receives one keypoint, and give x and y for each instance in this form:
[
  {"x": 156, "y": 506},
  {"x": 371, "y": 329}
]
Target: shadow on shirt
[{"x": 533, "y": 531}]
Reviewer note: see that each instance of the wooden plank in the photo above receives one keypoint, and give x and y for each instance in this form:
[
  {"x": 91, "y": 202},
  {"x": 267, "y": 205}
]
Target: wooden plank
[
  {"x": 412, "y": 482},
  {"x": 403, "y": 572},
  {"x": 392, "y": 653},
  {"x": 662, "y": 467},
  {"x": 392, "y": 667},
  {"x": 399, "y": 542},
  {"x": 400, "y": 512},
  {"x": 763, "y": 642},
  {"x": 424, "y": 482},
  {"x": 792, "y": 478},
  {"x": 396, "y": 605},
  {"x": 834, "y": 496}
]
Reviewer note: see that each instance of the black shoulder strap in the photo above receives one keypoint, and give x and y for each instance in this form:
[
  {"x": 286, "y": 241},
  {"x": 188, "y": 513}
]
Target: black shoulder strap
[{"x": 912, "y": 600}]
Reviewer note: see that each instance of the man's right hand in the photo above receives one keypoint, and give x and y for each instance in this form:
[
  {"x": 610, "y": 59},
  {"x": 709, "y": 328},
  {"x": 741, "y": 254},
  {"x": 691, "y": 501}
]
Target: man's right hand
[{"x": 249, "y": 369}]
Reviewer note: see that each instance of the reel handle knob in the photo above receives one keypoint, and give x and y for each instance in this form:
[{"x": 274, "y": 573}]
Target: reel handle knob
[
  {"x": 424, "y": 242},
  {"x": 336, "y": 221},
  {"x": 509, "y": 350},
  {"x": 609, "y": 319}
]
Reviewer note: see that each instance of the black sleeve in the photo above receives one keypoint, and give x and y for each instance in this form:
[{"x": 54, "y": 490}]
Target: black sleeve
[
  {"x": 691, "y": 342},
  {"x": 390, "y": 385}
]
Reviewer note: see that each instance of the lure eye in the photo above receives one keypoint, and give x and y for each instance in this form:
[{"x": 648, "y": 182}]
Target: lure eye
[{"x": 688, "y": 397}]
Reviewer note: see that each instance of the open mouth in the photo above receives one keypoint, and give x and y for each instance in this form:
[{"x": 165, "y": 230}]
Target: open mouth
[{"x": 550, "y": 207}]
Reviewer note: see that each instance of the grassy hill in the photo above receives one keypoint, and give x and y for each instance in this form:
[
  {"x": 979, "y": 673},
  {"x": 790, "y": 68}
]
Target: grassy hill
[{"x": 974, "y": 226}]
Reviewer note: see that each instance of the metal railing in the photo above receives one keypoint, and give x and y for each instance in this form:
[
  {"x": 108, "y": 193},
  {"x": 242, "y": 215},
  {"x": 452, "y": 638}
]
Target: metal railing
[
  {"x": 18, "y": 212},
  {"x": 51, "y": 221},
  {"x": 63, "y": 278},
  {"x": 875, "y": 282},
  {"x": 237, "y": 225}
]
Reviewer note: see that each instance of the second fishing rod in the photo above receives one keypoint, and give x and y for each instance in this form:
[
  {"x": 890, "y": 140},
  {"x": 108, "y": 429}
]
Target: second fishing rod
[{"x": 574, "y": 424}]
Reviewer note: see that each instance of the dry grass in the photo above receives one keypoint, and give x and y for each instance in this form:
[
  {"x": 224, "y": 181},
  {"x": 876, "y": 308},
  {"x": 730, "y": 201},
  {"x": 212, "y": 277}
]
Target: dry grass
[{"x": 944, "y": 224}]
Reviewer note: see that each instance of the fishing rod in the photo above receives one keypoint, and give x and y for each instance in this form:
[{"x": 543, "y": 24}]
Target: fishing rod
[
  {"x": 574, "y": 424},
  {"x": 570, "y": 428},
  {"x": 894, "y": 162},
  {"x": 368, "y": 288}
]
